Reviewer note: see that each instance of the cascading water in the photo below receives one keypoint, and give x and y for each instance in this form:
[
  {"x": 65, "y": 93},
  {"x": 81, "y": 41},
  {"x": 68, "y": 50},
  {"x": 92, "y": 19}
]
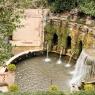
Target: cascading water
[
  {"x": 83, "y": 71},
  {"x": 47, "y": 57},
  {"x": 59, "y": 60}
]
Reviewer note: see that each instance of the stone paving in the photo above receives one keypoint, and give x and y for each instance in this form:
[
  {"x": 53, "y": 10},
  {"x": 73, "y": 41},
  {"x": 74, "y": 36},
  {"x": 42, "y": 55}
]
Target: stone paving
[
  {"x": 34, "y": 74},
  {"x": 6, "y": 79}
]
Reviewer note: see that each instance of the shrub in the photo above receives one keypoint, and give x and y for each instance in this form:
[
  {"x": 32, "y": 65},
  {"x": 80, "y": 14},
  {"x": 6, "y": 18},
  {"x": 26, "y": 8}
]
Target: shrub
[
  {"x": 88, "y": 87},
  {"x": 87, "y": 7},
  {"x": 83, "y": 93},
  {"x": 53, "y": 88},
  {"x": 34, "y": 93},
  {"x": 58, "y": 6},
  {"x": 89, "y": 62},
  {"x": 13, "y": 88},
  {"x": 11, "y": 67},
  {"x": 48, "y": 93}
]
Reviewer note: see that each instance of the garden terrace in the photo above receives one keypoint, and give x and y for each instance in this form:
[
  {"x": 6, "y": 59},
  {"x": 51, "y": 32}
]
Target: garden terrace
[{"x": 81, "y": 34}]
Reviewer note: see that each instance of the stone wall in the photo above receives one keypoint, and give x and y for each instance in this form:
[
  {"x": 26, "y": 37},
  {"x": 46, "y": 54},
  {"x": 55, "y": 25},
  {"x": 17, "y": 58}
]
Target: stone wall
[
  {"x": 31, "y": 33},
  {"x": 80, "y": 33}
]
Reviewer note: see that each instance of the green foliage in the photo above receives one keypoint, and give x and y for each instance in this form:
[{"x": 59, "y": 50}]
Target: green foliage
[
  {"x": 25, "y": 3},
  {"x": 5, "y": 50},
  {"x": 87, "y": 7},
  {"x": 88, "y": 40},
  {"x": 50, "y": 28},
  {"x": 40, "y": 3},
  {"x": 49, "y": 93},
  {"x": 9, "y": 18},
  {"x": 53, "y": 88},
  {"x": 89, "y": 62},
  {"x": 84, "y": 93},
  {"x": 89, "y": 87},
  {"x": 33, "y": 93},
  {"x": 32, "y": 3},
  {"x": 49, "y": 31},
  {"x": 13, "y": 88},
  {"x": 61, "y": 30},
  {"x": 11, "y": 67},
  {"x": 63, "y": 35},
  {"x": 58, "y": 6}
]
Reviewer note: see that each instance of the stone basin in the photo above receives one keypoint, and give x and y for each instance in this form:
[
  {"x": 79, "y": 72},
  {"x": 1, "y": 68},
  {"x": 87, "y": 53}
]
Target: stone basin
[{"x": 34, "y": 74}]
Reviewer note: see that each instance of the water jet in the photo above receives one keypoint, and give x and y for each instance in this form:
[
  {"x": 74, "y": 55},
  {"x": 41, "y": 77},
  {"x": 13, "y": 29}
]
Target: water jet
[
  {"x": 68, "y": 65},
  {"x": 47, "y": 59},
  {"x": 59, "y": 60}
]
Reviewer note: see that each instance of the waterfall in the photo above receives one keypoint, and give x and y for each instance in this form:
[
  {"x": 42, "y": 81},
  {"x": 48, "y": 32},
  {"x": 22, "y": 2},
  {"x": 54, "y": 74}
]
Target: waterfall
[{"x": 83, "y": 71}]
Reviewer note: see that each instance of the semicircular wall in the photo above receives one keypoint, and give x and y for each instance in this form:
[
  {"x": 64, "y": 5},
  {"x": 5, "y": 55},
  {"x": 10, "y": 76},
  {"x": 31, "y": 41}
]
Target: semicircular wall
[{"x": 20, "y": 57}]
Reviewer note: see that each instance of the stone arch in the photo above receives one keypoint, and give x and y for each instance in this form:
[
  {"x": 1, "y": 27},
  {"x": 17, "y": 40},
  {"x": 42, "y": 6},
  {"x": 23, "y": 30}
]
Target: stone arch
[
  {"x": 80, "y": 46},
  {"x": 55, "y": 39},
  {"x": 68, "y": 42}
]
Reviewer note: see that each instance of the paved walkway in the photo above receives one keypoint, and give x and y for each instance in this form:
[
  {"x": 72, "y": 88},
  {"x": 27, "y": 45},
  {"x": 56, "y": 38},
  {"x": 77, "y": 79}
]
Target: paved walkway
[{"x": 6, "y": 79}]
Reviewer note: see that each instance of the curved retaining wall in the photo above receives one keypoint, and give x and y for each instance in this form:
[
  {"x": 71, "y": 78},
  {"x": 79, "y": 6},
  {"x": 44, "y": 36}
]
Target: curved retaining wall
[{"x": 20, "y": 57}]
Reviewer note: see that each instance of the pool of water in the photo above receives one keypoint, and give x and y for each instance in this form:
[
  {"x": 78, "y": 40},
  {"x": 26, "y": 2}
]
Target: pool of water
[{"x": 34, "y": 74}]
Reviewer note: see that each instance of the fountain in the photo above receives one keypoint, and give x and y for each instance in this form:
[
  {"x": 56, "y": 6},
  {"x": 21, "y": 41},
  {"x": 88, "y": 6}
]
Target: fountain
[
  {"x": 47, "y": 59},
  {"x": 84, "y": 69},
  {"x": 68, "y": 64},
  {"x": 59, "y": 60},
  {"x": 33, "y": 75}
]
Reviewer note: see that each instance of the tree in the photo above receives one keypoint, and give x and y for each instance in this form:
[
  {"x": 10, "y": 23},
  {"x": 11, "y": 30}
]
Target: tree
[
  {"x": 87, "y": 7},
  {"x": 33, "y": 3},
  {"x": 58, "y": 6},
  {"x": 9, "y": 17},
  {"x": 39, "y": 3}
]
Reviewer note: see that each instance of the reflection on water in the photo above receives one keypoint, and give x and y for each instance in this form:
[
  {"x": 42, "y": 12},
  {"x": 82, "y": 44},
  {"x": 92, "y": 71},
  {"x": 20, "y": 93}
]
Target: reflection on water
[{"x": 33, "y": 74}]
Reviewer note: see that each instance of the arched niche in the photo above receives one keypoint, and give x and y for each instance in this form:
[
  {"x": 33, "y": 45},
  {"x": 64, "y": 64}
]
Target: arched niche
[
  {"x": 55, "y": 39},
  {"x": 68, "y": 42},
  {"x": 80, "y": 46},
  {"x": 54, "y": 42}
]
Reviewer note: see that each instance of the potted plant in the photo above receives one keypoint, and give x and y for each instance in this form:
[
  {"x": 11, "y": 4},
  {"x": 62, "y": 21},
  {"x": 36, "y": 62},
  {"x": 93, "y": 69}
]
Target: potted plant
[
  {"x": 11, "y": 67},
  {"x": 13, "y": 88}
]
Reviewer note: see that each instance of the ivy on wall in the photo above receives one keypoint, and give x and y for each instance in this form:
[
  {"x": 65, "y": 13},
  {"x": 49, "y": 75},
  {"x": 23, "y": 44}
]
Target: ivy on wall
[
  {"x": 88, "y": 40},
  {"x": 9, "y": 20},
  {"x": 75, "y": 41},
  {"x": 49, "y": 31},
  {"x": 63, "y": 34},
  {"x": 87, "y": 7},
  {"x": 60, "y": 29}
]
